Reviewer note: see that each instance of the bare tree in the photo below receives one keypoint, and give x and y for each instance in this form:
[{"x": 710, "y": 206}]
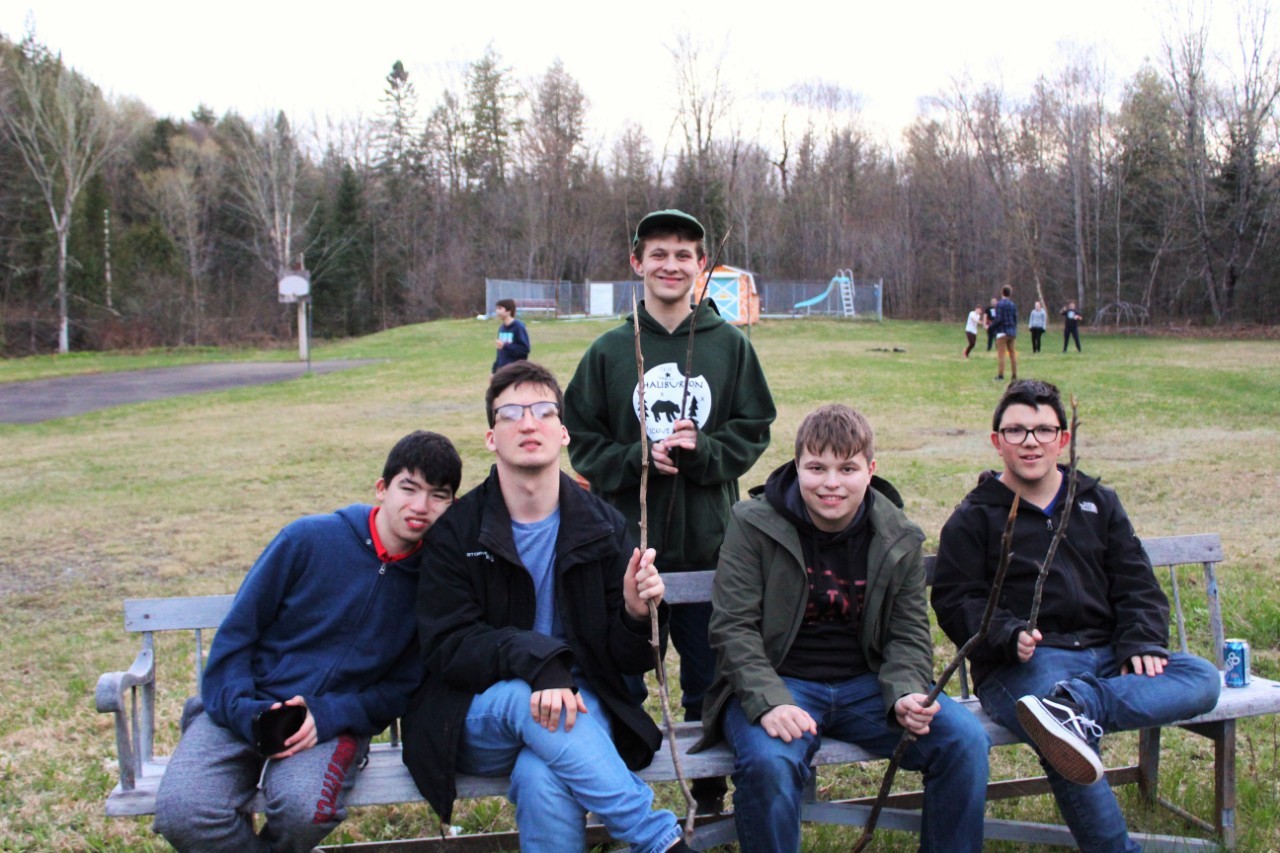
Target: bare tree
[
  {"x": 633, "y": 173},
  {"x": 1228, "y": 196},
  {"x": 942, "y": 204},
  {"x": 1250, "y": 108},
  {"x": 551, "y": 168},
  {"x": 64, "y": 131},
  {"x": 183, "y": 195},
  {"x": 1185, "y": 56},
  {"x": 267, "y": 165},
  {"x": 1147, "y": 205},
  {"x": 1079, "y": 117},
  {"x": 704, "y": 100}
]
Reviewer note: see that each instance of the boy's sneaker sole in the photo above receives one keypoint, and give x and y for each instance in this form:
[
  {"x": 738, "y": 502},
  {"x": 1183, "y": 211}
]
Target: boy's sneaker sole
[{"x": 1062, "y": 748}]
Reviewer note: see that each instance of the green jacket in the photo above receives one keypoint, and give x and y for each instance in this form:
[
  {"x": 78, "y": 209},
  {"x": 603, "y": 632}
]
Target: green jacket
[
  {"x": 759, "y": 598},
  {"x": 728, "y": 399}
]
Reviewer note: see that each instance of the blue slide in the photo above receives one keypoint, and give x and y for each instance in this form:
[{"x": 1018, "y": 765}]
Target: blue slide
[{"x": 835, "y": 281}]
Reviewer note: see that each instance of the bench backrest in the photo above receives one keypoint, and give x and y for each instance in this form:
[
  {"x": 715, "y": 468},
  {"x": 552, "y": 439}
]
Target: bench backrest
[
  {"x": 196, "y": 613},
  {"x": 1166, "y": 552}
]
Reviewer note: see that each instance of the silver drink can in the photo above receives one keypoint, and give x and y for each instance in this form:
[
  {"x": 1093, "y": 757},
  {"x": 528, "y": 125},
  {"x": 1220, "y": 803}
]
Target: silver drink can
[{"x": 1235, "y": 656}]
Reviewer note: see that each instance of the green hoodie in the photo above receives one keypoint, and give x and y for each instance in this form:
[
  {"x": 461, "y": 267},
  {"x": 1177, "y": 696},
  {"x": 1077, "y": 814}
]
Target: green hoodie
[{"x": 728, "y": 399}]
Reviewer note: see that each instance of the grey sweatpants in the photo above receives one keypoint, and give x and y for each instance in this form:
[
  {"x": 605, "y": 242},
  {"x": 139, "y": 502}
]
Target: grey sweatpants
[{"x": 204, "y": 798}]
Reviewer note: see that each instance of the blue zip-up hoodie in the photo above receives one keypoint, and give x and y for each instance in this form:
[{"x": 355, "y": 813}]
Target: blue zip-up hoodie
[{"x": 319, "y": 616}]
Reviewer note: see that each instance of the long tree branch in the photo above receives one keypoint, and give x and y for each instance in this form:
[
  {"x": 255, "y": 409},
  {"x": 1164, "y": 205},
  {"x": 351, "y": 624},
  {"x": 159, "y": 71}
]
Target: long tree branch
[
  {"x": 886, "y": 784},
  {"x": 688, "y": 371},
  {"x": 654, "y": 632},
  {"x": 1072, "y": 478}
]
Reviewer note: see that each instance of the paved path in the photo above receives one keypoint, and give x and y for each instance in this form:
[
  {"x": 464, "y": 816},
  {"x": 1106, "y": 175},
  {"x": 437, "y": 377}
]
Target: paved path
[{"x": 44, "y": 399}]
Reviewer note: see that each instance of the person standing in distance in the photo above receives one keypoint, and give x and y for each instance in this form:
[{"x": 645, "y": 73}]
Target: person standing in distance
[
  {"x": 1070, "y": 326},
  {"x": 513, "y": 338},
  {"x": 974, "y": 320},
  {"x": 1006, "y": 334},
  {"x": 1036, "y": 323}
]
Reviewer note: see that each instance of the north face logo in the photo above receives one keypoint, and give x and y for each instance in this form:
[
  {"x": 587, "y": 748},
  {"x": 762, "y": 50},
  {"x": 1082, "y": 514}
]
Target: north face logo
[{"x": 663, "y": 390}]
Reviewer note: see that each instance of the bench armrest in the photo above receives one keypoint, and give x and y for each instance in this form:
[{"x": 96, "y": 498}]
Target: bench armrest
[
  {"x": 109, "y": 694},
  {"x": 132, "y": 723}
]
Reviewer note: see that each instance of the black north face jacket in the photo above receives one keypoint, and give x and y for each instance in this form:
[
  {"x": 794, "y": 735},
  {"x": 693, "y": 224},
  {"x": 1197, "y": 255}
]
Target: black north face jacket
[{"x": 1100, "y": 590}]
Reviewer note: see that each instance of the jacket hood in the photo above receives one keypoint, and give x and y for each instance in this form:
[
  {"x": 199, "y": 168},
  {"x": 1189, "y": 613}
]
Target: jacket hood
[
  {"x": 991, "y": 491},
  {"x": 707, "y": 312},
  {"x": 785, "y": 474}
]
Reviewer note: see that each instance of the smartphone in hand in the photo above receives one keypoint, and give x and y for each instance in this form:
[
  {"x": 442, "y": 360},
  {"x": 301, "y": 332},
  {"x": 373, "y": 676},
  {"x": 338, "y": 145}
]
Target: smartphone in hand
[{"x": 271, "y": 728}]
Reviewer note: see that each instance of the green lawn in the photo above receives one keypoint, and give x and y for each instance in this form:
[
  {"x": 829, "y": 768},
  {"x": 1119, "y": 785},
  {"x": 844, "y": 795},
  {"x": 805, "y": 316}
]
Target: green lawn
[{"x": 179, "y": 496}]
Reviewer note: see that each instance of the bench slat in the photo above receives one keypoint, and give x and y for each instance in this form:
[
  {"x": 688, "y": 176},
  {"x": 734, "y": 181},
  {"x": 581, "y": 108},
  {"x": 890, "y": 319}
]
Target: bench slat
[
  {"x": 686, "y": 587},
  {"x": 207, "y": 611},
  {"x": 1180, "y": 550},
  {"x": 170, "y": 614},
  {"x": 385, "y": 780}
]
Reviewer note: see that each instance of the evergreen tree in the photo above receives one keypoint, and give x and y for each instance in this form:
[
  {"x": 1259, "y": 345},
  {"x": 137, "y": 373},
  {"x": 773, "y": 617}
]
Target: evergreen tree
[
  {"x": 398, "y": 136},
  {"x": 491, "y": 104},
  {"x": 340, "y": 270}
]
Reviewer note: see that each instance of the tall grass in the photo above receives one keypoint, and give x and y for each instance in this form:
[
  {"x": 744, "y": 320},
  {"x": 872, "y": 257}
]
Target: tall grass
[{"x": 177, "y": 497}]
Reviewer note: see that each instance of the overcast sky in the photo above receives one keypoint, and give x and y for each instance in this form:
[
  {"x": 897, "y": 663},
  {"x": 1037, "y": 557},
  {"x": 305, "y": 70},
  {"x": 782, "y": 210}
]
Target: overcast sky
[{"x": 321, "y": 59}]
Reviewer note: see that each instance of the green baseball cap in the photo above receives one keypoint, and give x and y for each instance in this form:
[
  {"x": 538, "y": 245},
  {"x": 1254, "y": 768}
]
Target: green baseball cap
[{"x": 663, "y": 220}]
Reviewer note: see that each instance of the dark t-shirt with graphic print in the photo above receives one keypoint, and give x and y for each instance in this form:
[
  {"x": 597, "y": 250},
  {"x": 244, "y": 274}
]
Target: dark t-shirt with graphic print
[{"x": 827, "y": 647}]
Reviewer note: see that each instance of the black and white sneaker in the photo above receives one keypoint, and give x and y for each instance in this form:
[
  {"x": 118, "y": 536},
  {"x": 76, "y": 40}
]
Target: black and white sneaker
[{"x": 1061, "y": 733}]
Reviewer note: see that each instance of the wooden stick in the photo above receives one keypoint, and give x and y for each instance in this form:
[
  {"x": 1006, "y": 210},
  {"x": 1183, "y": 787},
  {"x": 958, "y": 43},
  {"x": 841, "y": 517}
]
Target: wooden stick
[
  {"x": 886, "y": 784},
  {"x": 654, "y": 633},
  {"x": 693, "y": 322},
  {"x": 1072, "y": 477},
  {"x": 688, "y": 371}
]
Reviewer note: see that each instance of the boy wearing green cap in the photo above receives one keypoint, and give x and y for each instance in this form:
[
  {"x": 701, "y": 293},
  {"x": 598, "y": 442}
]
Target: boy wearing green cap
[{"x": 705, "y": 431}]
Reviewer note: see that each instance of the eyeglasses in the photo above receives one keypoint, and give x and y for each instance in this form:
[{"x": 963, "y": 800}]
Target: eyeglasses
[
  {"x": 1018, "y": 434},
  {"x": 543, "y": 410}
]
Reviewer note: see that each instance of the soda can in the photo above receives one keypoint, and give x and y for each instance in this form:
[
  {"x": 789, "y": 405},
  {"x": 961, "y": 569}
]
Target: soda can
[{"x": 1235, "y": 656}]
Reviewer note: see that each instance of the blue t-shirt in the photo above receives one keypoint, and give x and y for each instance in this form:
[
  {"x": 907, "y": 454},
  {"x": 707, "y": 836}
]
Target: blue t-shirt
[{"x": 536, "y": 543}]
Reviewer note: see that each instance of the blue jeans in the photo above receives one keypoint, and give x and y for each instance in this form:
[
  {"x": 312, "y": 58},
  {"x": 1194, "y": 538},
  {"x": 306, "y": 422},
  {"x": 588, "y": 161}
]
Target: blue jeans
[
  {"x": 1188, "y": 686},
  {"x": 557, "y": 777},
  {"x": 770, "y": 776}
]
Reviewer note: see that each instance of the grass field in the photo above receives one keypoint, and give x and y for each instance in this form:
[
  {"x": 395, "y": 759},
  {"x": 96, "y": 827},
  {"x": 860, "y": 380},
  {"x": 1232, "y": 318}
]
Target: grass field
[{"x": 179, "y": 496}]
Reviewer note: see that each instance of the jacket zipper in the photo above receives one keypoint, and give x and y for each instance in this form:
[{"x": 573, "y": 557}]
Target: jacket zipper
[{"x": 368, "y": 603}]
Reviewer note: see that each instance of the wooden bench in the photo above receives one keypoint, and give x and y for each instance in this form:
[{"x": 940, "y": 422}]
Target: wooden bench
[
  {"x": 131, "y": 694},
  {"x": 531, "y": 305}
]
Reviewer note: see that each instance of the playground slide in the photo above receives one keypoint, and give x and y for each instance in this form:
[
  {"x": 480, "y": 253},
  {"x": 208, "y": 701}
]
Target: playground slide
[{"x": 835, "y": 282}]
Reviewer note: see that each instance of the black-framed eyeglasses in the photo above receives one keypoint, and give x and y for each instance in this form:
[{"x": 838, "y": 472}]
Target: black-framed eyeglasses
[
  {"x": 543, "y": 410},
  {"x": 1018, "y": 434}
]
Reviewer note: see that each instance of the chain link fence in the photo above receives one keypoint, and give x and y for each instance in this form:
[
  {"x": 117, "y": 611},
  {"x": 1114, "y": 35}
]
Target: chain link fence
[{"x": 613, "y": 298}]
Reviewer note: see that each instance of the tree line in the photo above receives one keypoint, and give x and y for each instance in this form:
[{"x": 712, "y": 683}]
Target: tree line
[{"x": 1147, "y": 200}]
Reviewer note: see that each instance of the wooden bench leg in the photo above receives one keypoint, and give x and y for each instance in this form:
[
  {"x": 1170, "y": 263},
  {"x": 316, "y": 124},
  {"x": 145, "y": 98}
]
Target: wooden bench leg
[
  {"x": 1224, "y": 782},
  {"x": 1149, "y": 764},
  {"x": 1223, "y": 735}
]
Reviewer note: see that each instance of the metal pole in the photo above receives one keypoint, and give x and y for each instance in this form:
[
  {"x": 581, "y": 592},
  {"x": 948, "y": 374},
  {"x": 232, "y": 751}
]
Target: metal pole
[{"x": 308, "y": 334}]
